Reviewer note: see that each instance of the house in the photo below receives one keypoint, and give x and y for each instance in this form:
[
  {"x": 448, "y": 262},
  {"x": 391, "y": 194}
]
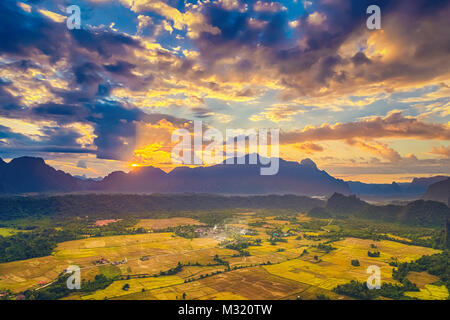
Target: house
[{"x": 101, "y": 261}]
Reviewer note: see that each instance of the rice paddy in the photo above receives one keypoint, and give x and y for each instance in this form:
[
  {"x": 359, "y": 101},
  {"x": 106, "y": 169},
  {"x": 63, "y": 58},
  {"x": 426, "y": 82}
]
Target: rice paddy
[
  {"x": 284, "y": 269},
  {"x": 158, "y": 224},
  {"x": 430, "y": 292}
]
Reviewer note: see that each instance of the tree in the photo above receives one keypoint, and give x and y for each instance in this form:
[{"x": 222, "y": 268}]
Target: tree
[
  {"x": 374, "y": 254},
  {"x": 355, "y": 263}
]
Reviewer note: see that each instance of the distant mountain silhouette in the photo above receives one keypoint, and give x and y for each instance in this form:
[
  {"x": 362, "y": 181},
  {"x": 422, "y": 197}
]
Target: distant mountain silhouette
[
  {"x": 409, "y": 190},
  {"x": 439, "y": 191},
  {"x": 143, "y": 179},
  {"x": 26, "y": 174},
  {"x": 419, "y": 212},
  {"x": 293, "y": 178},
  {"x": 426, "y": 182}
]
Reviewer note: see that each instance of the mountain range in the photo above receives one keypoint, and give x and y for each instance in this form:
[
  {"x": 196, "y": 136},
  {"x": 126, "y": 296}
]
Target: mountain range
[
  {"x": 33, "y": 175},
  {"x": 409, "y": 190},
  {"x": 29, "y": 175}
]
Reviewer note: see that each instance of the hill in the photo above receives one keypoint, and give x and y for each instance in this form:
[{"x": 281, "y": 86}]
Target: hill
[
  {"x": 439, "y": 191},
  {"x": 420, "y": 212}
]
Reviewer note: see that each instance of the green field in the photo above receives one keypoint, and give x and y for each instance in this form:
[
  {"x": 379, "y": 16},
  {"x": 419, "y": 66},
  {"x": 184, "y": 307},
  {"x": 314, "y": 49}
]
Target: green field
[
  {"x": 249, "y": 256},
  {"x": 6, "y": 232}
]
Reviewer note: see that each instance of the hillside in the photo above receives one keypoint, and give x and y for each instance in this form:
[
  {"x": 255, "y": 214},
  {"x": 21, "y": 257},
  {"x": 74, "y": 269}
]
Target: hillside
[
  {"x": 439, "y": 191},
  {"x": 420, "y": 212},
  {"x": 156, "y": 205}
]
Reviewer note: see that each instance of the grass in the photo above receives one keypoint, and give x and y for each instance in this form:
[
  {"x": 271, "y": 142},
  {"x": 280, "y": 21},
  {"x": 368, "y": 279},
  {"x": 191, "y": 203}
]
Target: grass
[
  {"x": 325, "y": 277},
  {"x": 223, "y": 296},
  {"x": 430, "y": 292},
  {"x": 157, "y": 224},
  {"x": 164, "y": 250},
  {"x": 135, "y": 286},
  {"x": 335, "y": 267},
  {"x": 110, "y": 271},
  {"x": 288, "y": 275},
  {"x": 6, "y": 232},
  {"x": 421, "y": 279},
  {"x": 253, "y": 283}
]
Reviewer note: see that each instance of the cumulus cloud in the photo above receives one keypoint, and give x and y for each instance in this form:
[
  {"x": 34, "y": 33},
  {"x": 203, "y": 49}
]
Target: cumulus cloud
[
  {"x": 309, "y": 147},
  {"x": 102, "y": 85},
  {"x": 441, "y": 151},
  {"x": 264, "y": 6},
  {"x": 379, "y": 149},
  {"x": 278, "y": 113},
  {"x": 316, "y": 18},
  {"x": 393, "y": 125}
]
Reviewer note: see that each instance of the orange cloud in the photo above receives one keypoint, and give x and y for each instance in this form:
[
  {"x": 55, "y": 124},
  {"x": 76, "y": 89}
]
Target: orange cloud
[
  {"x": 380, "y": 149},
  {"x": 394, "y": 124},
  {"x": 441, "y": 151},
  {"x": 309, "y": 147},
  {"x": 151, "y": 154},
  {"x": 278, "y": 113}
]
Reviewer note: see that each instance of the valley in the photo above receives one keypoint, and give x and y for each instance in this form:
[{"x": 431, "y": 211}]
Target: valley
[{"x": 248, "y": 254}]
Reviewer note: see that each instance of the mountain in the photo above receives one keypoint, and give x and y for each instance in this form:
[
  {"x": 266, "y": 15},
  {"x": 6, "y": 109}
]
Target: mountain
[
  {"x": 3, "y": 186},
  {"x": 426, "y": 182},
  {"x": 424, "y": 213},
  {"x": 420, "y": 212},
  {"x": 27, "y": 174},
  {"x": 341, "y": 204},
  {"x": 143, "y": 179},
  {"x": 439, "y": 191},
  {"x": 292, "y": 178},
  {"x": 410, "y": 190}
]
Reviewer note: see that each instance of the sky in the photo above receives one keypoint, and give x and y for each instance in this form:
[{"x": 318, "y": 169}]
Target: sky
[{"x": 366, "y": 105}]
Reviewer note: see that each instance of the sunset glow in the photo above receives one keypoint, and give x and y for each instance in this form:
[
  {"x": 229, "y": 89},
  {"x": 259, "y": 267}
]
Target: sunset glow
[{"x": 371, "y": 105}]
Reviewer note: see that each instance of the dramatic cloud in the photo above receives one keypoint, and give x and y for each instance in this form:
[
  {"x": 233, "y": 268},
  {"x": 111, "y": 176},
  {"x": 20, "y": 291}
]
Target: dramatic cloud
[
  {"x": 393, "y": 125},
  {"x": 309, "y": 147},
  {"x": 441, "y": 151},
  {"x": 138, "y": 69},
  {"x": 278, "y": 113}
]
